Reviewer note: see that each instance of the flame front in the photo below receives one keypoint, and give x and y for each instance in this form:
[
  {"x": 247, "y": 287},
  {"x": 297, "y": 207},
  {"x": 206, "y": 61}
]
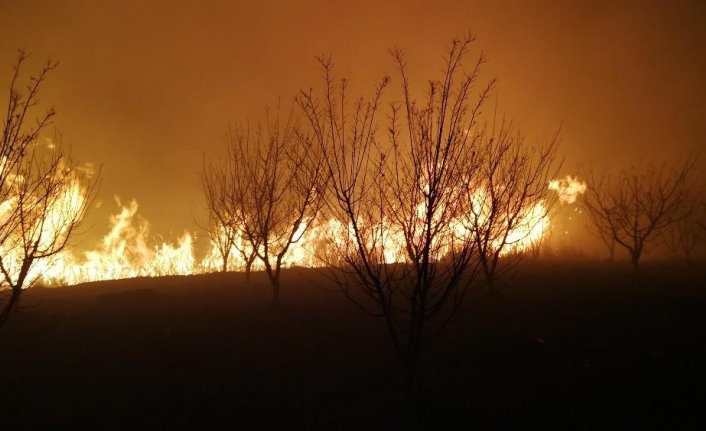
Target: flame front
[
  {"x": 127, "y": 250},
  {"x": 44, "y": 225},
  {"x": 124, "y": 253}
]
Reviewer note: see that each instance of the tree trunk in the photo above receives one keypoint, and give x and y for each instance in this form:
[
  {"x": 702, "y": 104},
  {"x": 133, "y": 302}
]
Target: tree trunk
[
  {"x": 275, "y": 290},
  {"x": 17, "y": 290},
  {"x": 486, "y": 271},
  {"x": 249, "y": 261},
  {"x": 635, "y": 260},
  {"x": 248, "y": 270},
  {"x": 10, "y": 306}
]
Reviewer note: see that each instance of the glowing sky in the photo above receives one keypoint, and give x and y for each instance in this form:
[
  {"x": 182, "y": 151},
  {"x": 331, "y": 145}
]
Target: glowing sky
[{"x": 147, "y": 87}]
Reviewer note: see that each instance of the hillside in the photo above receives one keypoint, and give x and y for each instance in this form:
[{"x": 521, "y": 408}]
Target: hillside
[{"x": 565, "y": 345}]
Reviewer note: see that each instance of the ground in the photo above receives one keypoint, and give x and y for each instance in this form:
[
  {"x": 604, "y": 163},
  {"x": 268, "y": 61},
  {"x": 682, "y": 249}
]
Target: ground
[{"x": 561, "y": 346}]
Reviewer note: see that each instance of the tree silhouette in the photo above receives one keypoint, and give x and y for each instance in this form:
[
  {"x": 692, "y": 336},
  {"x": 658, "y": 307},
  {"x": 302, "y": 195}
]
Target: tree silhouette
[
  {"x": 683, "y": 237},
  {"x": 635, "y": 205},
  {"x": 268, "y": 189},
  {"x": 43, "y": 196},
  {"x": 599, "y": 228},
  {"x": 394, "y": 208},
  {"x": 510, "y": 199},
  {"x": 219, "y": 182}
]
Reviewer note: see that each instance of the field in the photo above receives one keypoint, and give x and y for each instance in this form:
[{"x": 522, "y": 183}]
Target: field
[{"x": 562, "y": 346}]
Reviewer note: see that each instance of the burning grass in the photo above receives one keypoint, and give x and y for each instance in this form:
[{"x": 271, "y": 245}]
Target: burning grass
[{"x": 128, "y": 251}]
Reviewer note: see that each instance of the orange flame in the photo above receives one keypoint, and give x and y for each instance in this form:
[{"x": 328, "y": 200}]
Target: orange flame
[
  {"x": 44, "y": 231},
  {"x": 125, "y": 252},
  {"x": 569, "y": 188}
]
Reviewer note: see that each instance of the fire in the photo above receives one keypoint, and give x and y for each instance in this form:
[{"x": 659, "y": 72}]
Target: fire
[
  {"x": 124, "y": 253},
  {"x": 127, "y": 250},
  {"x": 568, "y": 188},
  {"x": 44, "y": 224},
  {"x": 530, "y": 231}
]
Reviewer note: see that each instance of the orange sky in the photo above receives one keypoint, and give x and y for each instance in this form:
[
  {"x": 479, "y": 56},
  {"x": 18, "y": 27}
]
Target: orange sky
[{"x": 147, "y": 87}]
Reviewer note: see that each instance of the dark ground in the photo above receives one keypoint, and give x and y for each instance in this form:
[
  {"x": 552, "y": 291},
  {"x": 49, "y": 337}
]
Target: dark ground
[{"x": 565, "y": 346}]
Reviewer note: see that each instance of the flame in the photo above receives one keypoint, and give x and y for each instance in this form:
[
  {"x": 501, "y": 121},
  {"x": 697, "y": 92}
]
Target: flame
[
  {"x": 43, "y": 231},
  {"x": 528, "y": 229},
  {"x": 569, "y": 188},
  {"x": 124, "y": 253},
  {"x": 128, "y": 251}
]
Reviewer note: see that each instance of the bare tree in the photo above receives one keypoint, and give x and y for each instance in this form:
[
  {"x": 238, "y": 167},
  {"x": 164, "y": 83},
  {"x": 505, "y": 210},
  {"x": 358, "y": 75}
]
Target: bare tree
[
  {"x": 225, "y": 181},
  {"x": 508, "y": 205},
  {"x": 273, "y": 188},
  {"x": 633, "y": 206},
  {"x": 223, "y": 236},
  {"x": 599, "y": 228},
  {"x": 395, "y": 208},
  {"x": 216, "y": 182},
  {"x": 44, "y": 195},
  {"x": 683, "y": 237},
  {"x": 701, "y": 219}
]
